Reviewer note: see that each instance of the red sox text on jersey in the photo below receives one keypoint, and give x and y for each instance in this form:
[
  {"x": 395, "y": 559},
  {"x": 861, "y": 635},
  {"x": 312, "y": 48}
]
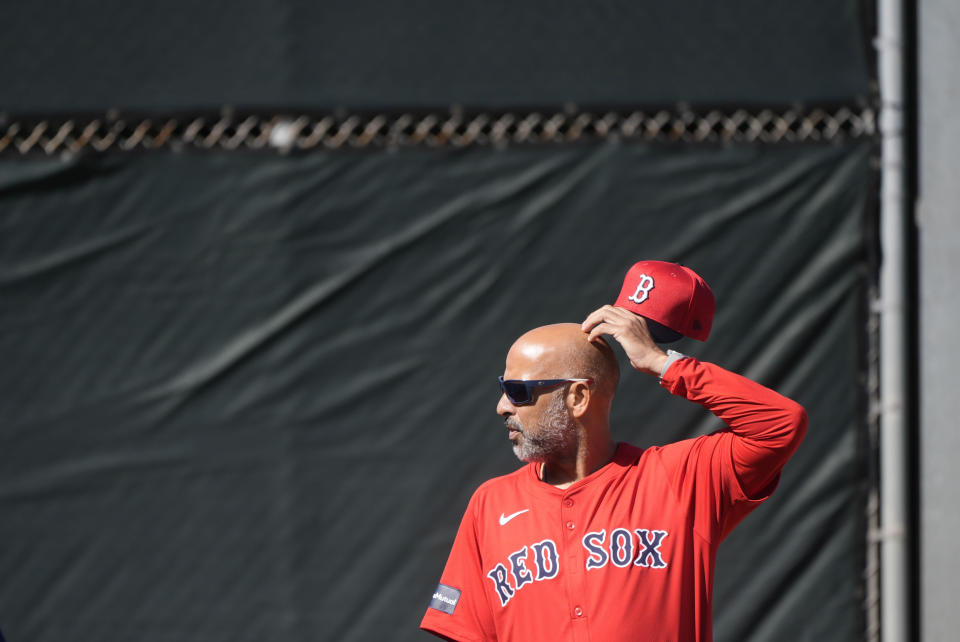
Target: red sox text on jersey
[{"x": 539, "y": 562}]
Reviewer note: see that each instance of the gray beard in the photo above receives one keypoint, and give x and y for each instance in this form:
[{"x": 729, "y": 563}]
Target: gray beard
[{"x": 555, "y": 433}]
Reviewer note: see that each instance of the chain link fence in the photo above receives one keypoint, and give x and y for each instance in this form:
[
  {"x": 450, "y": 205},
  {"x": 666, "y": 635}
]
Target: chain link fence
[{"x": 284, "y": 133}]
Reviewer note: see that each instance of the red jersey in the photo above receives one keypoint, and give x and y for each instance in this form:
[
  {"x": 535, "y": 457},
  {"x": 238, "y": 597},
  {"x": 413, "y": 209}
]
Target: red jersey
[{"x": 628, "y": 552}]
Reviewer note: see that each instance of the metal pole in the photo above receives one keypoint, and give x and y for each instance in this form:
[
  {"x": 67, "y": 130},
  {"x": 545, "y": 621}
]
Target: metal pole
[{"x": 894, "y": 559}]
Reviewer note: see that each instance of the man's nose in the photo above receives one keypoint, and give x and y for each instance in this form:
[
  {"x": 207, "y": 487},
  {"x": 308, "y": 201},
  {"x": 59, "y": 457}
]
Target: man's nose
[{"x": 504, "y": 407}]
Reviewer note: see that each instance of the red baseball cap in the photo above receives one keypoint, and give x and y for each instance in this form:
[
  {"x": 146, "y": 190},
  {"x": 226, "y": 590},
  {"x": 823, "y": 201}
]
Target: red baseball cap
[{"x": 670, "y": 295}]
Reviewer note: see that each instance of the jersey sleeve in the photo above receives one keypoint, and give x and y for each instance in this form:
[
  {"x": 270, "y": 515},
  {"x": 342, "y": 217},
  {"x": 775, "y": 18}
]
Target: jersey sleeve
[
  {"x": 729, "y": 472},
  {"x": 459, "y": 609}
]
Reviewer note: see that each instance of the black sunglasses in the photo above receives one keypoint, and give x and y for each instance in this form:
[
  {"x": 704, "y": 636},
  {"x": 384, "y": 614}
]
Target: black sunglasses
[{"x": 520, "y": 391}]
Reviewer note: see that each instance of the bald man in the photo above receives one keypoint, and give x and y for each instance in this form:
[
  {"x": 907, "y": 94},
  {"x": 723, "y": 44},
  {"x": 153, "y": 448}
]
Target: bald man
[{"x": 598, "y": 540}]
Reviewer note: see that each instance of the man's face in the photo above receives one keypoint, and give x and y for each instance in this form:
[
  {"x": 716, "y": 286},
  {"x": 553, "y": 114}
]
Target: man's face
[{"x": 544, "y": 429}]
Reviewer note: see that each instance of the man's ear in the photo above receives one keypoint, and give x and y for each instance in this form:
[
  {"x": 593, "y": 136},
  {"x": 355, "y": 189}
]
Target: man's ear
[{"x": 578, "y": 398}]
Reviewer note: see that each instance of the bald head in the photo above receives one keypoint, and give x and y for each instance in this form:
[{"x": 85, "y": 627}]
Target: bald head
[{"x": 562, "y": 350}]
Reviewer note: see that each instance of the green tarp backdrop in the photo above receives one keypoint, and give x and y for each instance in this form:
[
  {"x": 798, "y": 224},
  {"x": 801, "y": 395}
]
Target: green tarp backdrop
[{"x": 248, "y": 397}]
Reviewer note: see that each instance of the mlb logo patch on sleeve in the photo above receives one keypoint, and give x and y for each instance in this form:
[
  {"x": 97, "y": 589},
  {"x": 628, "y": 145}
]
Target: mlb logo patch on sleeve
[{"x": 445, "y": 599}]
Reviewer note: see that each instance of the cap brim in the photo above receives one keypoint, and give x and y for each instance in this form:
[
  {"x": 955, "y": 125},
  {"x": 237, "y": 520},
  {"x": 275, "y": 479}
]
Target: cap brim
[{"x": 661, "y": 333}]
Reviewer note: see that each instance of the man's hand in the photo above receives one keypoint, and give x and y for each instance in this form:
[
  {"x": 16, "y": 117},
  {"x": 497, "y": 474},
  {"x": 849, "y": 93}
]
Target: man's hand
[{"x": 630, "y": 331}]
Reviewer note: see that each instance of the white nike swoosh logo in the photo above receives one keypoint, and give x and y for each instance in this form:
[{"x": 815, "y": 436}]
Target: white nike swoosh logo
[{"x": 504, "y": 519}]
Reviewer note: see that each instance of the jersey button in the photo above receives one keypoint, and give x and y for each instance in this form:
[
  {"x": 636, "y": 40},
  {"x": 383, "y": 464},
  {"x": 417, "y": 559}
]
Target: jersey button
[
  {"x": 570, "y": 525},
  {"x": 578, "y": 611},
  {"x": 568, "y": 502}
]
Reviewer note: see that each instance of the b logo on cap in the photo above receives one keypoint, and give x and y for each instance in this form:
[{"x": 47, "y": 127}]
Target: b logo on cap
[{"x": 643, "y": 286}]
